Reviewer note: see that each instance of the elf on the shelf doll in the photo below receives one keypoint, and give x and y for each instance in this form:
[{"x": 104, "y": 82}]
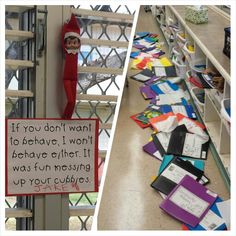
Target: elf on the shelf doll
[{"x": 71, "y": 46}]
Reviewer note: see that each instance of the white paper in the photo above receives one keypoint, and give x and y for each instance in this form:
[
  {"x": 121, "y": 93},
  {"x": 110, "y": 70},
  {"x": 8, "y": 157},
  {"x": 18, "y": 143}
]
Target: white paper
[
  {"x": 158, "y": 155},
  {"x": 156, "y": 63},
  {"x": 167, "y": 125},
  {"x": 171, "y": 98},
  {"x": 168, "y": 99},
  {"x": 160, "y": 71},
  {"x": 176, "y": 173},
  {"x": 188, "y": 201},
  {"x": 175, "y": 80},
  {"x": 162, "y": 195},
  {"x": 164, "y": 139},
  {"x": 179, "y": 109},
  {"x": 224, "y": 209},
  {"x": 141, "y": 77},
  {"x": 211, "y": 221},
  {"x": 165, "y": 88},
  {"x": 192, "y": 146},
  {"x": 193, "y": 128},
  {"x": 155, "y": 107}
]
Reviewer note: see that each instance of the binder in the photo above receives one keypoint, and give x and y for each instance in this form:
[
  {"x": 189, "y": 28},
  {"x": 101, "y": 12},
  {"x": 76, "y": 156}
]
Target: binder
[
  {"x": 173, "y": 173},
  {"x": 187, "y": 144},
  {"x": 189, "y": 201}
]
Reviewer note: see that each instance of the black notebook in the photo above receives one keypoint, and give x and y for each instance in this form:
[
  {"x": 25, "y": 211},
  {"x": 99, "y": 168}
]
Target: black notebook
[
  {"x": 186, "y": 144},
  {"x": 161, "y": 141},
  {"x": 206, "y": 80},
  {"x": 174, "y": 173},
  {"x": 143, "y": 76}
]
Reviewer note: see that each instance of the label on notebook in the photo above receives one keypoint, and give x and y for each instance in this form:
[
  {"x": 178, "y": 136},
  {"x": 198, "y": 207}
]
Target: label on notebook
[
  {"x": 211, "y": 221},
  {"x": 179, "y": 109},
  {"x": 176, "y": 173},
  {"x": 192, "y": 146},
  {"x": 189, "y": 202},
  {"x": 141, "y": 77},
  {"x": 165, "y": 88},
  {"x": 160, "y": 71}
]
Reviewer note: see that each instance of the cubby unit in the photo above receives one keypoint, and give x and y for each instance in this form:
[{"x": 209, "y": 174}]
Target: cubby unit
[{"x": 193, "y": 52}]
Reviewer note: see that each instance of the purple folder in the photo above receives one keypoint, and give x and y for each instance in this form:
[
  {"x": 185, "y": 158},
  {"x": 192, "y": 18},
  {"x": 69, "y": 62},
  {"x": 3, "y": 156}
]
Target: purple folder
[
  {"x": 147, "y": 92},
  {"x": 151, "y": 149},
  {"x": 152, "y": 80},
  {"x": 189, "y": 201}
]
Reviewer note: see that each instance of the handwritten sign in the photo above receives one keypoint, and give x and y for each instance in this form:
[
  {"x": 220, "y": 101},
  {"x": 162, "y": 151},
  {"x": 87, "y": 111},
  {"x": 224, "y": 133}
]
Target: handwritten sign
[{"x": 51, "y": 156}]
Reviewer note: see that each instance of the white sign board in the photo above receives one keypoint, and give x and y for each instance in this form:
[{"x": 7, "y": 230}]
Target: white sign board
[{"x": 51, "y": 156}]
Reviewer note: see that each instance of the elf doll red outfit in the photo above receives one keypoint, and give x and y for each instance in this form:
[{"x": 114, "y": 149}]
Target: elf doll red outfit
[{"x": 71, "y": 46}]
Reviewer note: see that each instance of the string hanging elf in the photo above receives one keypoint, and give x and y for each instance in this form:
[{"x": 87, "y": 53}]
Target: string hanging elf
[{"x": 71, "y": 46}]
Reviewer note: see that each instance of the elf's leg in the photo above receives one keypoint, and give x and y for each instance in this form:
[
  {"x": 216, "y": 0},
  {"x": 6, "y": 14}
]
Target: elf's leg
[{"x": 70, "y": 89}]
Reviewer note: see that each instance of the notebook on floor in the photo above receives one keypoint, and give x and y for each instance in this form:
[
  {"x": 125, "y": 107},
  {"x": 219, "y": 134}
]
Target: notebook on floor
[
  {"x": 186, "y": 110},
  {"x": 212, "y": 220},
  {"x": 189, "y": 201},
  {"x": 173, "y": 173},
  {"x": 152, "y": 150},
  {"x": 143, "y": 76},
  {"x": 165, "y": 87},
  {"x": 187, "y": 144}
]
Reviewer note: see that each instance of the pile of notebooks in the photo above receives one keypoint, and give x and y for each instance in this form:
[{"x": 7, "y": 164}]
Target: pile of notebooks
[{"x": 178, "y": 140}]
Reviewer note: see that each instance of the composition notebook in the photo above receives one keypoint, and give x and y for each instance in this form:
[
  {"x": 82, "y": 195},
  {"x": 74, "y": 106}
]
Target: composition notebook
[
  {"x": 212, "y": 220},
  {"x": 173, "y": 173},
  {"x": 187, "y": 144},
  {"x": 189, "y": 201}
]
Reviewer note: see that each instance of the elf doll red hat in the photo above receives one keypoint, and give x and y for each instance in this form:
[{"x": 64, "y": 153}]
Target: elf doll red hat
[{"x": 71, "y": 29}]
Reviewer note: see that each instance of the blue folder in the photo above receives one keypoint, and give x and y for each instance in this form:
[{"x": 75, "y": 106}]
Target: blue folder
[
  {"x": 188, "y": 108},
  {"x": 167, "y": 158},
  {"x": 216, "y": 211},
  {"x": 157, "y": 89}
]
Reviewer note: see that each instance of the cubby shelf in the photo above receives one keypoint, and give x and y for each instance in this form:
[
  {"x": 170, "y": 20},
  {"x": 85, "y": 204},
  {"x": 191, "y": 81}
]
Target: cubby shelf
[{"x": 211, "y": 54}]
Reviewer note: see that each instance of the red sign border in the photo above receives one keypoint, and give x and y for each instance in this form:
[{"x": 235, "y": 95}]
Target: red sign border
[{"x": 7, "y": 194}]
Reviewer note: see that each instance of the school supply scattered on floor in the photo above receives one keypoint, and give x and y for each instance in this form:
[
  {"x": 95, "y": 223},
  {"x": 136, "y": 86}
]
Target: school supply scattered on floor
[
  {"x": 189, "y": 201},
  {"x": 178, "y": 139}
]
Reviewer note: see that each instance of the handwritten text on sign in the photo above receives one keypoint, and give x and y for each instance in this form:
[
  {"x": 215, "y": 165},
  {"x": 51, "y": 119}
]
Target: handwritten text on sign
[{"x": 51, "y": 156}]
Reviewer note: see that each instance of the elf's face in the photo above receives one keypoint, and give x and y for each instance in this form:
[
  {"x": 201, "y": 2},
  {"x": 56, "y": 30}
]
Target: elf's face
[{"x": 72, "y": 45}]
